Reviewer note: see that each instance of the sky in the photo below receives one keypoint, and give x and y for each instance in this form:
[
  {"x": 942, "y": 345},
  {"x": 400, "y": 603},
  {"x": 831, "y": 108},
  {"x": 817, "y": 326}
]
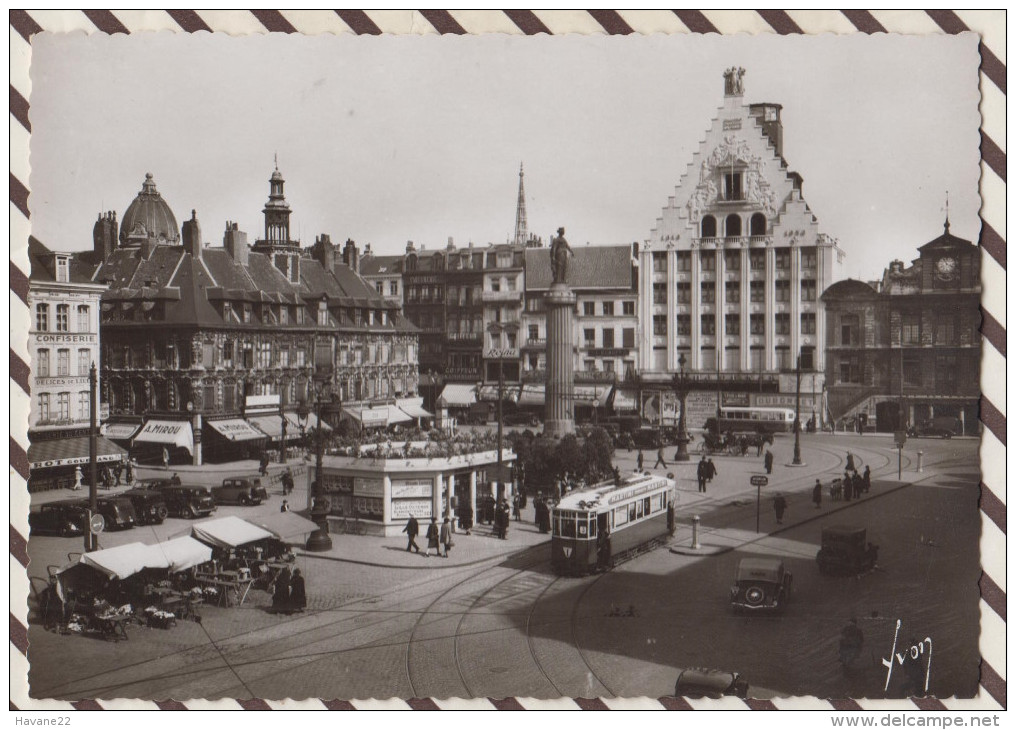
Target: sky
[{"x": 393, "y": 138}]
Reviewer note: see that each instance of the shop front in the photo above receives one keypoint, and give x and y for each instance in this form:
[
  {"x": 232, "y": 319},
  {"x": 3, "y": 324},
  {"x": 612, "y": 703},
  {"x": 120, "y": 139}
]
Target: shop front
[
  {"x": 232, "y": 439},
  {"x": 160, "y": 441},
  {"x": 55, "y": 463}
]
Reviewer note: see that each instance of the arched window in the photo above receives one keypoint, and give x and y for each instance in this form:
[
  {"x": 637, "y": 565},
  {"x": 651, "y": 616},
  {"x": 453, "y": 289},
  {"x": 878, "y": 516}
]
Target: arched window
[
  {"x": 758, "y": 225},
  {"x": 708, "y": 227},
  {"x": 732, "y": 226}
]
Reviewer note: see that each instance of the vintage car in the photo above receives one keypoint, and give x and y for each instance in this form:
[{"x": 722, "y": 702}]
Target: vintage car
[
  {"x": 149, "y": 505},
  {"x": 760, "y": 584},
  {"x": 242, "y": 490},
  {"x": 942, "y": 426},
  {"x": 187, "y": 500},
  {"x": 712, "y": 683},
  {"x": 846, "y": 551},
  {"x": 648, "y": 438},
  {"x": 66, "y": 518},
  {"x": 117, "y": 511}
]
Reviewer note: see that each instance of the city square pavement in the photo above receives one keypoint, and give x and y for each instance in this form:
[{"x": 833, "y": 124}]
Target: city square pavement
[{"x": 347, "y": 578}]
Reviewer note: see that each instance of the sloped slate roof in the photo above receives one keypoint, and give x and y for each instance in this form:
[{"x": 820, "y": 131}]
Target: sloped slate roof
[
  {"x": 42, "y": 265},
  {"x": 592, "y": 267},
  {"x": 380, "y": 265}
]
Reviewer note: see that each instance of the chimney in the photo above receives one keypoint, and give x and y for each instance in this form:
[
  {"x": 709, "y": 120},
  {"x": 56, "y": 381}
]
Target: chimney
[
  {"x": 367, "y": 251},
  {"x": 324, "y": 252},
  {"x": 235, "y": 242},
  {"x": 192, "y": 236},
  {"x": 410, "y": 248},
  {"x": 451, "y": 243},
  {"x": 351, "y": 256},
  {"x": 104, "y": 235},
  {"x": 148, "y": 246}
]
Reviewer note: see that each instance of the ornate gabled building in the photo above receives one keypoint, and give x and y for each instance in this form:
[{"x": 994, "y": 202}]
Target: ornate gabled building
[
  {"x": 209, "y": 352},
  {"x": 732, "y": 270},
  {"x": 904, "y": 350}
]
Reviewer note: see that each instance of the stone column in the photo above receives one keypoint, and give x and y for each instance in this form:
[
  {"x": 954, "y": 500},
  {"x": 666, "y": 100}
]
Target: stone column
[
  {"x": 472, "y": 492},
  {"x": 451, "y": 493},
  {"x": 560, "y": 394},
  {"x": 435, "y": 507}
]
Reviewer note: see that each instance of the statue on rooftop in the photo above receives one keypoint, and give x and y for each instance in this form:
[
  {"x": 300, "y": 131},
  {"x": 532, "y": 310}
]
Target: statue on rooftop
[{"x": 559, "y": 253}]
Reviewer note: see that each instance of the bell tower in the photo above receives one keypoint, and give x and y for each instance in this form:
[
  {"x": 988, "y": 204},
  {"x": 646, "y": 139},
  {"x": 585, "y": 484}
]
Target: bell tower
[{"x": 277, "y": 245}]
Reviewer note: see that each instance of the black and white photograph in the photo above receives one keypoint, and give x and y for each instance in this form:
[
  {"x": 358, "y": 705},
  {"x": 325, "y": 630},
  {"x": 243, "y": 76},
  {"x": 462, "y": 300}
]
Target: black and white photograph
[{"x": 501, "y": 366}]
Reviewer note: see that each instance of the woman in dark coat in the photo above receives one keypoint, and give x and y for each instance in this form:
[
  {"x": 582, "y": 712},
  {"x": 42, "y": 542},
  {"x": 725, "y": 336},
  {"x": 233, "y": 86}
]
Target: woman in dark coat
[
  {"x": 297, "y": 592},
  {"x": 280, "y": 599}
]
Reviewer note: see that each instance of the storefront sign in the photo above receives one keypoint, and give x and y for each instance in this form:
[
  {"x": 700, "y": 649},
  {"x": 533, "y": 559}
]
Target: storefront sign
[
  {"x": 735, "y": 399},
  {"x": 82, "y": 380},
  {"x": 407, "y": 488},
  {"x": 501, "y": 353},
  {"x": 73, "y": 339},
  {"x": 418, "y": 508},
  {"x": 607, "y": 352},
  {"x": 785, "y": 400},
  {"x": 365, "y": 487}
]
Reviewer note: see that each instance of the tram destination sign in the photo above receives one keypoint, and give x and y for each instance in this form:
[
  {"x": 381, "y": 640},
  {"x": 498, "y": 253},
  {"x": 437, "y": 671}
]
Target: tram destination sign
[{"x": 759, "y": 481}]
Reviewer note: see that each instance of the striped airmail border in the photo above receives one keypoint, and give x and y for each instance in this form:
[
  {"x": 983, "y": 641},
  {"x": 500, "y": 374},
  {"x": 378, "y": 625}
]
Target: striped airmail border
[{"x": 990, "y": 25}]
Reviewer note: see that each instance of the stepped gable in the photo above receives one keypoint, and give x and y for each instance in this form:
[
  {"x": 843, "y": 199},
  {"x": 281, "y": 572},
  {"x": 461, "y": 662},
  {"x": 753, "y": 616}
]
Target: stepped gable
[{"x": 592, "y": 267}]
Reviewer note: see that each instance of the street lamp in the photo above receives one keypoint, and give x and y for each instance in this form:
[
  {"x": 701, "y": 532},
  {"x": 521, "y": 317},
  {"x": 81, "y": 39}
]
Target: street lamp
[
  {"x": 797, "y": 417},
  {"x": 282, "y": 447},
  {"x": 319, "y": 541},
  {"x": 681, "y": 389}
]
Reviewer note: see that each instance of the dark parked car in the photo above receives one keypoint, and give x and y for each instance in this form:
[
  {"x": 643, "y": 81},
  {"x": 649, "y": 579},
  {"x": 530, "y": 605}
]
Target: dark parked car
[
  {"x": 713, "y": 683},
  {"x": 846, "y": 551},
  {"x": 186, "y": 500},
  {"x": 66, "y": 518},
  {"x": 117, "y": 511},
  {"x": 647, "y": 438},
  {"x": 243, "y": 490},
  {"x": 760, "y": 584},
  {"x": 944, "y": 427},
  {"x": 149, "y": 505}
]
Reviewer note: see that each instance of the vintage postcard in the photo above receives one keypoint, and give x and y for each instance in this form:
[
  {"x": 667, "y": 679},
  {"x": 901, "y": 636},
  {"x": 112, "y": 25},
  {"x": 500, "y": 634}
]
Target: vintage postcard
[{"x": 497, "y": 369}]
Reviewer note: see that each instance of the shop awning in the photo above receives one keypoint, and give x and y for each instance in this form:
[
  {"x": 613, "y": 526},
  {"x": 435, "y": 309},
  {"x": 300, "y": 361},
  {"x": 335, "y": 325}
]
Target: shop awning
[
  {"x": 70, "y": 451},
  {"x": 236, "y": 429},
  {"x": 124, "y": 561},
  {"x": 413, "y": 407},
  {"x": 591, "y": 395},
  {"x": 182, "y": 553},
  {"x": 377, "y": 416},
  {"x": 120, "y": 431},
  {"x": 228, "y": 532},
  {"x": 533, "y": 395},
  {"x": 457, "y": 395},
  {"x": 308, "y": 425},
  {"x": 271, "y": 426},
  {"x": 489, "y": 392},
  {"x": 170, "y": 433},
  {"x": 624, "y": 400},
  {"x": 286, "y": 526}
]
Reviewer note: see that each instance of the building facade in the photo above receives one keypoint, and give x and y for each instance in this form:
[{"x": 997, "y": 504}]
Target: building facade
[
  {"x": 731, "y": 274},
  {"x": 194, "y": 334},
  {"x": 905, "y": 350},
  {"x": 63, "y": 346},
  {"x": 384, "y": 273}
]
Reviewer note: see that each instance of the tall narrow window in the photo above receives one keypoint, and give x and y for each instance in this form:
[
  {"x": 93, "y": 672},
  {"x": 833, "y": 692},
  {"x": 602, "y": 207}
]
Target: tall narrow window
[
  {"x": 684, "y": 260},
  {"x": 42, "y": 363},
  {"x": 782, "y": 323},
  {"x": 733, "y": 324},
  {"x": 732, "y": 226},
  {"x": 83, "y": 362},
  {"x": 660, "y": 292},
  {"x": 83, "y": 406},
  {"x": 683, "y": 292},
  {"x": 684, "y": 324},
  {"x": 63, "y": 316},
  {"x": 43, "y": 407},
  {"x": 42, "y": 317},
  {"x": 807, "y": 323},
  {"x": 708, "y": 292},
  {"x": 63, "y": 362},
  {"x": 660, "y": 262},
  {"x": 708, "y": 324},
  {"x": 808, "y": 288},
  {"x": 733, "y": 292},
  {"x": 63, "y": 406},
  {"x": 659, "y": 324},
  {"x": 758, "y": 291},
  {"x": 757, "y": 225},
  {"x": 757, "y": 260},
  {"x": 83, "y": 323},
  {"x": 732, "y": 261},
  {"x": 708, "y": 227},
  {"x": 732, "y": 186},
  {"x": 782, "y": 290}
]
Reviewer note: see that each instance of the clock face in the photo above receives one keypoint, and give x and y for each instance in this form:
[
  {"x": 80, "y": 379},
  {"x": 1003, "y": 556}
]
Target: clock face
[{"x": 945, "y": 267}]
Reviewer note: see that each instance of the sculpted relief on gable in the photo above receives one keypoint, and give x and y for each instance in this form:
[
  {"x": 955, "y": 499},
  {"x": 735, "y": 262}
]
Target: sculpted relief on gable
[{"x": 733, "y": 153}]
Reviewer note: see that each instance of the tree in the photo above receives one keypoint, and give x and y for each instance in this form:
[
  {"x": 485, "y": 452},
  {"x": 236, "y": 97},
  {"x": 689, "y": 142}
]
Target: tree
[{"x": 597, "y": 455}]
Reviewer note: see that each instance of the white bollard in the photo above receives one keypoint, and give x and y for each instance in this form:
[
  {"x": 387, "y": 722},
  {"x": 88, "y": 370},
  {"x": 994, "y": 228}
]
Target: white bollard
[
  {"x": 920, "y": 457},
  {"x": 694, "y": 532}
]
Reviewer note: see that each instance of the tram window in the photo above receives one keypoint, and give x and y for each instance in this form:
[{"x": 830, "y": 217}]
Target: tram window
[
  {"x": 582, "y": 527},
  {"x": 568, "y": 526},
  {"x": 645, "y": 505},
  {"x": 620, "y": 516},
  {"x": 639, "y": 509},
  {"x": 592, "y": 525},
  {"x": 557, "y": 525},
  {"x": 657, "y": 502},
  {"x": 632, "y": 514}
]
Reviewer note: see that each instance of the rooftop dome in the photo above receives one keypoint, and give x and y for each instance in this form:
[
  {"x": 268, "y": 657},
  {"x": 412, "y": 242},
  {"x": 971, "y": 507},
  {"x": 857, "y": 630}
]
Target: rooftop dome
[{"x": 149, "y": 216}]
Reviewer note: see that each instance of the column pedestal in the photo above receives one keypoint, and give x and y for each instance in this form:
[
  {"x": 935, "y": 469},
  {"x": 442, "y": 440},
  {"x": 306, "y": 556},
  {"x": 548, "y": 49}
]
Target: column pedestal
[{"x": 560, "y": 392}]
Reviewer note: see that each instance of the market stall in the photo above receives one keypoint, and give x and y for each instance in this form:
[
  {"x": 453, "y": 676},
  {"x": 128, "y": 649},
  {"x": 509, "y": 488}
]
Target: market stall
[{"x": 239, "y": 551}]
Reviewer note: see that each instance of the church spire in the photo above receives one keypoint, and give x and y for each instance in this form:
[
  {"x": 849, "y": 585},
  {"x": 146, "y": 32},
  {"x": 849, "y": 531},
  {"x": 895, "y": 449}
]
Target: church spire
[
  {"x": 946, "y": 211},
  {"x": 521, "y": 226}
]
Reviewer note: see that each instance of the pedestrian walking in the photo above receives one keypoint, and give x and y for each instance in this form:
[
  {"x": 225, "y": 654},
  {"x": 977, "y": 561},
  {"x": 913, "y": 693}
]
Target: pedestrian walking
[
  {"x": 769, "y": 461},
  {"x": 412, "y": 529},
  {"x": 603, "y": 548},
  {"x": 263, "y": 465},
  {"x": 130, "y": 471},
  {"x": 701, "y": 473},
  {"x": 780, "y": 506},
  {"x": 671, "y": 523},
  {"x": 175, "y": 479},
  {"x": 433, "y": 538},
  {"x": 517, "y": 507},
  {"x": 867, "y": 478},
  {"x": 280, "y": 598},
  {"x": 446, "y": 535},
  {"x": 816, "y": 494},
  {"x": 165, "y": 458},
  {"x": 848, "y": 487},
  {"x": 850, "y": 462},
  {"x": 759, "y": 443},
  {"x": 287, "y": 482},
  {"x": 78, "y": 476},
  {"x": 297, "y": 592},
  {"x": 640, "y": 460},
  {"x": 660, "y": 459},
  {"x": 710, "y": 470},
  {"x": 465, "y": 517},
  {"x": 117, "y": 473},
  {"x": 284, "y": 507},
  {"x": 104, "y": 478}
]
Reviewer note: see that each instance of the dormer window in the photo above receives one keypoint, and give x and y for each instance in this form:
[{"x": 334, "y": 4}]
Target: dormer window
[
  {"x": 322, "y": 315},
  {"x": 247, "y": 313},
  {"x": 62, "y": 269}
]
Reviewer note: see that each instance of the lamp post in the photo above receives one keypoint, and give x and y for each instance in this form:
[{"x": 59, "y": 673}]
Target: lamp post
[
  {"x": 319, "y": 541},
  {"x": 797, "y": 417},
  {"x": 91, "y": 540},
  {"x": 282, "y": 446},
  {"x": 681, "y": 389}
]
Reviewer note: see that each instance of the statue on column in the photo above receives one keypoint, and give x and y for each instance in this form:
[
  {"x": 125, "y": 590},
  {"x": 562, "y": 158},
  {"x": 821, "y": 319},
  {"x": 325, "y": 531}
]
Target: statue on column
[{"x": 559, "y": 253}]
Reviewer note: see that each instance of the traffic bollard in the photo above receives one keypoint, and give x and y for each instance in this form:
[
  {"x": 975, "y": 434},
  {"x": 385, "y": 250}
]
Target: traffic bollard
[
  {"x": 694, "y": 532},
  {"x": 920, "y": 457}
]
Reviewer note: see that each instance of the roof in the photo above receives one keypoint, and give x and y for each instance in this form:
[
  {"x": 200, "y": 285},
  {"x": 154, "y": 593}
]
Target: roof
[
  {"x": 42, "y": 262},
  {"x": 849, "y": 289},
  {"x": 227, "y": 532},
  {"x": 946, "y": 240},
  {"x": 149, "y": 215},
  {"x": 372, "y": 265},
  {"x": 592, "y": 267}
]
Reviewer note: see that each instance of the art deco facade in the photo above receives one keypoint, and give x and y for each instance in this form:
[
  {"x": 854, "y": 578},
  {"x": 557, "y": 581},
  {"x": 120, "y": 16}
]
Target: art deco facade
[
  {"x": 905, "y": 349},
  {"x": 196, "y": 337},
  {"x": 731, "y": 274}
]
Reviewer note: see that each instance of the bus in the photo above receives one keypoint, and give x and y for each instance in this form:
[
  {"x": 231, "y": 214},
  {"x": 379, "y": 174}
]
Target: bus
[
  {"x": 639, "y": 515},
  {"x": 753, "y": 420}
]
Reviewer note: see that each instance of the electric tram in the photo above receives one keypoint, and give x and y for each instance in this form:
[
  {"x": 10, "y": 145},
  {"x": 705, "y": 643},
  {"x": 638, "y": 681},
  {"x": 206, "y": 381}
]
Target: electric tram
[
  {"x": 596, "y": 526},
  {"x": 755, "y": 420}
]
